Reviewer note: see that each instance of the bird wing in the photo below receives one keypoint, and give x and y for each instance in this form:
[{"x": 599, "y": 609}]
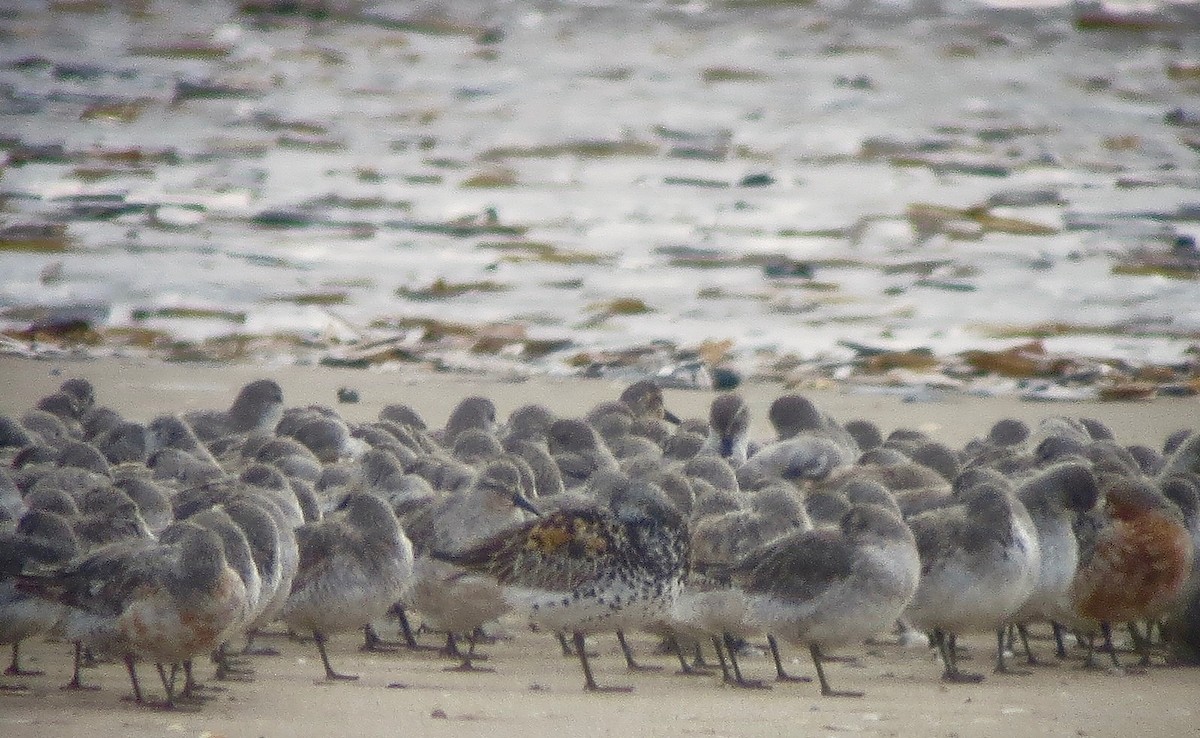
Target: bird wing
[
  {"x": 104, "y": 580},
  {"x": 559, "y": 551},
  {"x": 799, "y": 566}
]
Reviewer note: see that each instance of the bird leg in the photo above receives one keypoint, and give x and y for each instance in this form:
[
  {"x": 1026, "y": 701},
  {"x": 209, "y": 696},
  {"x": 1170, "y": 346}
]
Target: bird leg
[
  {"x": 137, "y": 689},
  {"x": 589, "y": 681},
  {"x": 1002, "y": 645},
  {"x": 1142, "y": 645},
  {"x": 685, "y": 669},
  {"x": 406, "y": 629},
  {"x": 372, "y": 643},
  {"x": 630, "y": 663},
  {"x": 566, "y": 647},
  {"x": 228, "y": 668},
  {"x": 1060, "y": 645},
  {"x": 250, "y": 650},
  {"x": 739, "y": 681},
  {"x": 815, "y": 652},
  {"x": 946, "y": 647},
  {"x": 468, "y": 658},
  {"x": 76, "y": 673},
  {"x": 1030, "y": 658},
  {"x": 780, "y": 674},
  {"x": 330, "y": 674},
  {"x": 14, "y": 668}
]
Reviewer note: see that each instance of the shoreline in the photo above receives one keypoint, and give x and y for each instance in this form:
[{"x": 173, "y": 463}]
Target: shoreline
[{"x": 142, "y": 389}]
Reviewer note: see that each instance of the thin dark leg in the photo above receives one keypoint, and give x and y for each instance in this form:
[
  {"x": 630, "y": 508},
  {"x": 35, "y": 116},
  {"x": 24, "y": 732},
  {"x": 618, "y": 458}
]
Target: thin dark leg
[
  {"x": 725, "y": 675},
  {"x": 410, "y": 639},
  {"x": 1060, "y": 644},
  {"x": 630, "y": 663},
  {"x": 1002, "y": 643},
  {"x": 230, "y": 668},
  {"x": 698, "y": 661},
  {"x": 780, "y": 674},
  {"x": 815, "y": 652},
  {"x": 566, "y": 647},
  {"x": 373, "y": 643},
  {"x": 1106, "y": 631},
  {"x": 946, "y": 647},
  {"x": 1089, "y": 659},
  {"x": 1030, "y": 658},
  {"x": 451, "y": 647},
  {"x": 468, "y": 658},
  {"x": 14, "y": 668},
  {"x": 1142, "y": 645},
  {"x": 137, "y": 688},
  {"x": 330, "y": 674},
  {"x": 77, "y": 672},
  {"x": 168, "y": 683},
  {"x": 731, "y": 649},
  {"x": 685, "y": 668},
  {"x": 589, "y": 681},
  {"x": 250, "y": 650}
]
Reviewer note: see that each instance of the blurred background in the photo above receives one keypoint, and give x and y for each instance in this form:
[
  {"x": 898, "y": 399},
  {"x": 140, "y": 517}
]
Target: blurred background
[{"x": 962, "y": 194}]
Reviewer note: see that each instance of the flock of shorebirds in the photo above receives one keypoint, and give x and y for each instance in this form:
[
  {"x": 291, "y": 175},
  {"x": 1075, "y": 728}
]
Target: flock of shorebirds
[{"x": 181, "y": 538}]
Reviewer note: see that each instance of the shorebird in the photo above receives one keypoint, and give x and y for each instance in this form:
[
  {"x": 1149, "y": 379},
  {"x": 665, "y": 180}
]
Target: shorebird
[
  {"x": 610, "y": 565},
  {"x": 1135, "y": 557},
  {"x": 40, "y": 538},
  {"x": 832, "y": 586},
  {"x": 645, "y": 399},
  {"x": 801, "y": 457},
  {"x": 450, "y": 597},
  {"x": 979, "y": 563},
  {"x": 354, "y": 564},
  {"x": 729, "y": 428},
  {"x": 1054, "y": 498},
  {"x": 471, "y": 412},
  {"x": 136, "y": 598},
  {"x": 257, "y": 409},
  {"x": 710, "y": 605}
]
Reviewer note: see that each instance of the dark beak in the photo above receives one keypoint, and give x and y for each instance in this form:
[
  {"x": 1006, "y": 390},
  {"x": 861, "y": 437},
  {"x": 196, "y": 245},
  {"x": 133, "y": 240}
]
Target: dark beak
[
  {"x": 523, "y": 502},
  {"x": 671, "y": 417}
]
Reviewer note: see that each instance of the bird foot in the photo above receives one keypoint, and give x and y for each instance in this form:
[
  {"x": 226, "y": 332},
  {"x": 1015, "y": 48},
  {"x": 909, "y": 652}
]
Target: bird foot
[
  {"x": 18, "y": 671},
  {"x": 841, "y": 693},
  {"x": 333, "y": 676},
  {"x": 694, "y": 671},
  {"x": 596, "y": 688},
  {"x": 748, "y": 684},
  {"x": 379, "y": 647},
  {"x": 467, "y": 666},
  {"x": 788, "y": 678},
  {"x": 13, "y": 688},
  {"x": 77, "y": 686},
  {"x": 962, "y": 677}
]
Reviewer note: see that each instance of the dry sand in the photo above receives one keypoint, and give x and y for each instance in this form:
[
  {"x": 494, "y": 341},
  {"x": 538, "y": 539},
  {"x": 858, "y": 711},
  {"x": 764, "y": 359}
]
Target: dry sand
[{"x": 537, "y": 692}]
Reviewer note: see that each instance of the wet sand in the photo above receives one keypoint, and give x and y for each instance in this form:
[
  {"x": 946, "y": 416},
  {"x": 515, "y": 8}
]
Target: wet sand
[{"x": 537, "y": 692}]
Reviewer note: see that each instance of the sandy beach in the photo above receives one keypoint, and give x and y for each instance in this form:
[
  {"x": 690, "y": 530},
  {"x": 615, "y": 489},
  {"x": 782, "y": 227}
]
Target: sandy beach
[{"x": 534, "y": 690}]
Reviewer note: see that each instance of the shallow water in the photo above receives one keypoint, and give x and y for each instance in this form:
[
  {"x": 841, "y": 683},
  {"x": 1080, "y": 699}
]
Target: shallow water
[{"x": 564, "y": 178}]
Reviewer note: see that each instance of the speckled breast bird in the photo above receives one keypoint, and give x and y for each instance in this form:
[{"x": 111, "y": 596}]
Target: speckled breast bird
[{"x": 592, "y": 568}]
